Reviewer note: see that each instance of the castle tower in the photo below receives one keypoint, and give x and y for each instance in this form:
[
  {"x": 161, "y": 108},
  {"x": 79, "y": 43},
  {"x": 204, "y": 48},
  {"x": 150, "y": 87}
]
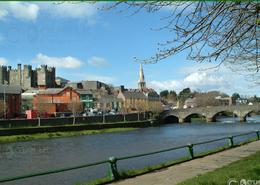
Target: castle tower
[
  {"x": 141, "y": 82},
  {"x": 27, "y": 76},
  {"x": 19, "y": 68}
]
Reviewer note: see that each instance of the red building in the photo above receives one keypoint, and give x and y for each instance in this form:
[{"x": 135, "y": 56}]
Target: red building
[
  {"x": 52, "y": 100},
  {"x": 10, "y": 101}
]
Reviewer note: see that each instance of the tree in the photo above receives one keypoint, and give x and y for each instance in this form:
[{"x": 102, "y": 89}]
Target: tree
[
  {"x": 172, "y": 95},
  {"x": 164, "y": 94},
  {"x": 40, "y": 104},
  {"x": 256, "y": 99},
  {"x": 235, "y": 96},
  {"x": 76, "y": 107},
  {"x": 3, "y": 109},
  {"x": 224, "y": 32},
  {"x": 184, "y": 95}
]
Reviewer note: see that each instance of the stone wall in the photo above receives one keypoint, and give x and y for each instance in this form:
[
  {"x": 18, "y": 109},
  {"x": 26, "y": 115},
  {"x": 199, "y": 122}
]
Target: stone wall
[{"x": 17, "y": 123}]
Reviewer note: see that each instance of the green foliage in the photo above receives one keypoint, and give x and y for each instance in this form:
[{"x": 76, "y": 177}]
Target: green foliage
[
  {"x": 235, "y": 96},
  {"x": 256, "y": 99},
  {"x": 15, "y": 138},
  {"x": 172, "y": 95},
  {"x": 184, "y": 94},
  {"x": 164, "y": 94}
]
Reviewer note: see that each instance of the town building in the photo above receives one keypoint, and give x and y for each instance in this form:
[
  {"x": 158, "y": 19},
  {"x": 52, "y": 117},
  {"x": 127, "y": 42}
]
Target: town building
[
  {"x": 89, "y": 85},
  {"x": 27, "y": 78},
  {"x": 141, "y": 99},
  {"x": 56, "y": 100},
  {"x": 27, "y": 99},
  {"x": 86, "y": 97},
  {"x": 10, "y": 101},
  {"x": 61, "y": 82},
  {"x": 108, "y": 102},
  {"x": 133, "y": 100}
]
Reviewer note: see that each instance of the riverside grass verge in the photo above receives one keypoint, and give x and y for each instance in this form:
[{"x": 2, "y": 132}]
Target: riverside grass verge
[
  {"x": 132, "y": 173},
  {"x": 153, "y": 168},
  {"x": 50, "y": 135},
  {"x": 248, "y": 168}
]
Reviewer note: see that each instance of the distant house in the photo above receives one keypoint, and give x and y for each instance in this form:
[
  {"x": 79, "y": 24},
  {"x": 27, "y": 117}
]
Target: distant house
[
  {"x": 27, "y": 99},
  {"x": 55, "y": 100},
  {"x": 88, "y": 85},
  {"x": 240, "y": 101},
  {"x": 61, "y": 82},
  {"x": 190, "y": 103},
  {"x": 224, "y": 101},
  {"x": 10, "y": 101},
  {"x": 108, "y": 102},
  {"x": 86, "y": 97},
  {"x": 133, "y": 101}
]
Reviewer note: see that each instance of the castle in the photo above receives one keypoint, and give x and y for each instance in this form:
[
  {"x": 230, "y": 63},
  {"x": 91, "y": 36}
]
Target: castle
[{"x": 27, "y": 78}]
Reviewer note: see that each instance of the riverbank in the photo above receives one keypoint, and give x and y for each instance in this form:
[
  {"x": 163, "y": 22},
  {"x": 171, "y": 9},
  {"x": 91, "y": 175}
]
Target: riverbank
[
  {"x": 50, "y": 135},
  {"x": 194, "y": 168},
  {"x": 247, "y": 168},
  {"x": 77, "y": 127}
]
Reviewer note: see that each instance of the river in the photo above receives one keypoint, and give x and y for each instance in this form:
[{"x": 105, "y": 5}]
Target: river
[{"x": 40, "y": 155}]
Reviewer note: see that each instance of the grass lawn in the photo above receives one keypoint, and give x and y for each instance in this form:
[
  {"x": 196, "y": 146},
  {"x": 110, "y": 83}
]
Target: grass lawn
[
  {"x": 49, "y": 135},
  {"x": 248, "y": 168}
]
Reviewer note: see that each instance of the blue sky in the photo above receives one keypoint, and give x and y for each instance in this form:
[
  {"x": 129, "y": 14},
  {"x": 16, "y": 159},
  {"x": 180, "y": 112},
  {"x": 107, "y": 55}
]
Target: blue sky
[{"x": 84, "y": 43}]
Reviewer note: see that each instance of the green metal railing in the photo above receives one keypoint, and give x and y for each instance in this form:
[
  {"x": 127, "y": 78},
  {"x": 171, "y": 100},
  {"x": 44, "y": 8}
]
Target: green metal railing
[{"x": 114, "y": 173}]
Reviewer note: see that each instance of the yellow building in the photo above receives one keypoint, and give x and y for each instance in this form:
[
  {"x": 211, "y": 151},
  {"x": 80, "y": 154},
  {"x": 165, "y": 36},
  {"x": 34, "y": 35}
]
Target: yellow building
[{"x": 142, "y": 99}]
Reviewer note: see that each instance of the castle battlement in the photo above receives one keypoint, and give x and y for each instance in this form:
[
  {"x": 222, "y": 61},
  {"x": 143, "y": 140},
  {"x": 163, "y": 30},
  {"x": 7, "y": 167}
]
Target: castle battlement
[{"x": 27, "y": 77}]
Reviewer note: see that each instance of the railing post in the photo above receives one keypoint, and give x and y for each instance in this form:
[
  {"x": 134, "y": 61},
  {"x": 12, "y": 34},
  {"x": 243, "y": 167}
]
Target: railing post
[
  {"x": 124, "y": 118},
  {"x": 258, "y": 135},
  {"x": 39, "y": 121},
  {"x": 231, "y": 142},
  {"x": 113, "y": 172},
  {"x": 104, "y": 118},
  {"x": 190, "y": 146}
]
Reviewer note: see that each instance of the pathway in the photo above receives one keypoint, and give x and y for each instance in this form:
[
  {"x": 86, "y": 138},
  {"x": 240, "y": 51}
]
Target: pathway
[{"x": 181, "y": 172}]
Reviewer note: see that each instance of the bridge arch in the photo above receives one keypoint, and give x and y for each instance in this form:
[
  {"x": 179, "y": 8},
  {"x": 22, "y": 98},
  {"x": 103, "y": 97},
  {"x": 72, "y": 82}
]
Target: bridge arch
[
  {"x": 171, "y": 119},
  {"x": 247, "y": 114},
  {"x": 188, "y": 117},
  {"x": 223, "y": 112}
]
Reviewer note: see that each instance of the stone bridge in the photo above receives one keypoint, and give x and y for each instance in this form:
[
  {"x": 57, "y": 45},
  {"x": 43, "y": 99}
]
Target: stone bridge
[{"x": 209, "y": 113}]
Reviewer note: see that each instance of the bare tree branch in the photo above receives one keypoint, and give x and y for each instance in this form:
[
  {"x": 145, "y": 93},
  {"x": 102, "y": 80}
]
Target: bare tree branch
[{"x": 224, "y": 32}]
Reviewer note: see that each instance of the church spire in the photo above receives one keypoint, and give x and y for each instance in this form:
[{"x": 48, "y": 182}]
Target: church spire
[{"x": 141, "y": 82}]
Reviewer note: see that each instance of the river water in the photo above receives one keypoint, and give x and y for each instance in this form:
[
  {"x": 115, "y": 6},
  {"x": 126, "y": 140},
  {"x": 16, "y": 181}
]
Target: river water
[{"x": 40, "y": 155}]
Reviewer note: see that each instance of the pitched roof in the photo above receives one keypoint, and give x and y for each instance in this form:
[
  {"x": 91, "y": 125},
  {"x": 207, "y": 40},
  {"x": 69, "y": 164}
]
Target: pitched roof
[
  {"x": 52, "y": 90},
  {"x": 134, "y": 94},
  {"x": 106, "y": 98},
  {"x": 10, "y": 89},
  {"x": 84, "y": 91}
]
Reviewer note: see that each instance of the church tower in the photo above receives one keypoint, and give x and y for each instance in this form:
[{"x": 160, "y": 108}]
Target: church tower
[{"x": 141, "y": 82}]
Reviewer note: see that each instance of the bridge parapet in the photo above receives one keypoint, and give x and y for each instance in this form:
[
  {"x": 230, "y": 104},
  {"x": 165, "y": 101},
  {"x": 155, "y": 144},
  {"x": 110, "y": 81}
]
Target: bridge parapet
[{"x": 211, "y": 112}]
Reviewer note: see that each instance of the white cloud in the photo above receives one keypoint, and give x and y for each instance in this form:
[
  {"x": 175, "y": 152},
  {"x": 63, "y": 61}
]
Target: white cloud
[
  {"x": 23, "y": 11},
  {"x": 196, "y": 81},
  {"x": 71, "y": 10},
  {"x": 3, "y": 13},
  {"x": 59, "y": 62},
  {"x": 30, "y": 11},
  {"x": 3, "y": 61},
  {"x": 97, "y": 61}
]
